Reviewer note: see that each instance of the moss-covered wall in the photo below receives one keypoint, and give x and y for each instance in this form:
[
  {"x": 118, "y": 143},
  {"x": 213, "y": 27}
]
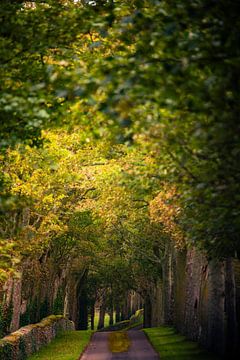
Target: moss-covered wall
[{"x": 27, "y": 340}]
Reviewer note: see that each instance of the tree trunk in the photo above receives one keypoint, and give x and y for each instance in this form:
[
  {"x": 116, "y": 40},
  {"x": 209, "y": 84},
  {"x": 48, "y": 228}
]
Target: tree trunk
[
  {"x": 111, "y": 316},
  {"x": 118, "y": 314},
  {"x": 157, "y": 304},
  {"x": 147, "y": 312},
  {"x": 230, "y": 304},
  {"x": 124, "y": 312},
  {"x": 101, "y": 316},
  {"x": 92, "y": 316},
  {"x": 129, "y": 311},
  {"x": 83, "y": 312}
]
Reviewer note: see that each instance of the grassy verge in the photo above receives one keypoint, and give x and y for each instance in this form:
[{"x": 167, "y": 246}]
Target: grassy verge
[
  {"x": 118, "y": 341},
  {"x": 173, "y": 346},
  {"x": 68, "y": 345}
]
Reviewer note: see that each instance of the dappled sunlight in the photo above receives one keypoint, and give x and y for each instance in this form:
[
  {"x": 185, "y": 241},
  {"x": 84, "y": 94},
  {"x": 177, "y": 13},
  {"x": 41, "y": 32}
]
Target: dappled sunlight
[{"x": 119, "y": 181}]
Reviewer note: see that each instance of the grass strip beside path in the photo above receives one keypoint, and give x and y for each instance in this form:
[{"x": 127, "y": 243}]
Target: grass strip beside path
[
  {"x": 172, "y": 346},
  {"x": 68, "y": 345},
  {"x": 118, "y": 341}
]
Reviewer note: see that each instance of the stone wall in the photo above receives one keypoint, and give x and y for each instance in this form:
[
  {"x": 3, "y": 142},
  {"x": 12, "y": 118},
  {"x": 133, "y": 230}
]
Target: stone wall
[{"x": 29, "y": 339}]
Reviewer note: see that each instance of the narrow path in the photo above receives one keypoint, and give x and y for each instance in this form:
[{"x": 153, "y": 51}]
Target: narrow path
[
  {"x": 140, "y": 348},
  {"x": 98, "y": 348}
]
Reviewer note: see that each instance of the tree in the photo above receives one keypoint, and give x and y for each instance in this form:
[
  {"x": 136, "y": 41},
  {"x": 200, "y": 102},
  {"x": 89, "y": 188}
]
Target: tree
[{"x": 174, "y": 64}]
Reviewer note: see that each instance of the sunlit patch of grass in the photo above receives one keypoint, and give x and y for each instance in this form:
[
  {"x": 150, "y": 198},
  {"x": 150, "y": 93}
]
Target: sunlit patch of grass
[
  {"x": 96, "y": 319},
  {"x": 68, "y": 345},
  {"x": 118, "y": 341},
  {"x": 171, "y": 345}
]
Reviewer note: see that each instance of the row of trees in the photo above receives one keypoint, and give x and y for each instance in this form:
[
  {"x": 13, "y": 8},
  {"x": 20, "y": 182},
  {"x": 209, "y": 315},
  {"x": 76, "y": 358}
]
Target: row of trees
[
  {"x": 119, "y": 134},
  {"x": 81, "y": 208}
]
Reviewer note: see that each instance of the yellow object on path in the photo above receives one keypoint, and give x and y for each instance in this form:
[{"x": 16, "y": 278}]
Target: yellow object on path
[{"x": 118, "y": 341}]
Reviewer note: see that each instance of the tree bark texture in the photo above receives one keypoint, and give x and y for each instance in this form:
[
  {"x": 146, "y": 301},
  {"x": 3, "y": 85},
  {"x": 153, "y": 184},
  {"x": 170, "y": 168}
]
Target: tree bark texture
[{"x": 201, "y": 298}]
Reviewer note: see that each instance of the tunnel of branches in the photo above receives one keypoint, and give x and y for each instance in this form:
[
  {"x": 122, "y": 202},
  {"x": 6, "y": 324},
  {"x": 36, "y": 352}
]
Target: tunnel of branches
[{"x": 119, "y": 136}]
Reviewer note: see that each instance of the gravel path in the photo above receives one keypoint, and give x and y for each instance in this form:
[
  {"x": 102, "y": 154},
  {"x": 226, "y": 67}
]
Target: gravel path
[{"x": 140, "y": 348}]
